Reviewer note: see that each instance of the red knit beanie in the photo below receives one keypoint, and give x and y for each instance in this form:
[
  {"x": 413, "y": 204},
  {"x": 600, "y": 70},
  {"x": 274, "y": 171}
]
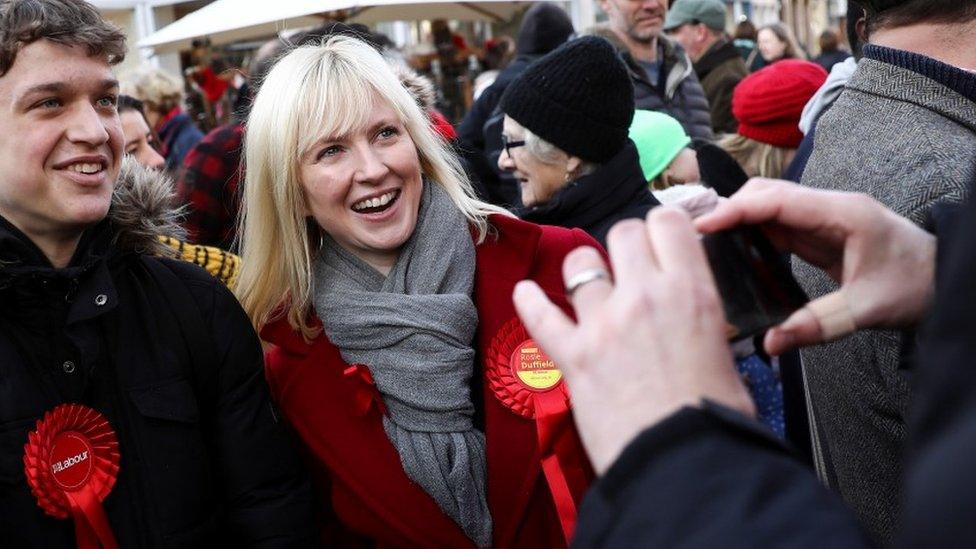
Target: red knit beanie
[{"x": 768, "y": 102}]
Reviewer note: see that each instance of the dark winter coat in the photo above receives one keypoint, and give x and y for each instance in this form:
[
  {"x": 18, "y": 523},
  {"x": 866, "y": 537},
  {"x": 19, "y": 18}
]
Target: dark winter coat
[
  {"x": 480, "y": 133},
  {"x": 904, "y": 132},
  {"x": 544, "y": 28},
  {"x": 720, "y": 69},
  {"x": 473, "y": 129},
  {"x": 178, "y": 135},
  {"x": 678, "y": 94},
  {"x": 616, "y": 191},
  {"x": 166, "y": 353},
  {"x": 829, "y": 59},
  {"x": 712, "y": 478}
]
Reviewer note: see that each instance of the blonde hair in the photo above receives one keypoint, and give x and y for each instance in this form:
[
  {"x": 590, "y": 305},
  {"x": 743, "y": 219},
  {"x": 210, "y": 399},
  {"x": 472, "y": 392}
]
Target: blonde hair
[
  {"x": 158, "y": 89},
  {"x": 311, "y": 93},
  {"x": 756, "y": 158}
]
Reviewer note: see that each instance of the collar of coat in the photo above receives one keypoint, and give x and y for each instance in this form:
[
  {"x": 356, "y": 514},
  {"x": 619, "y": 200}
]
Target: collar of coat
[
  {"x": 912, "y": 78},
  {"x": 959, "y": 80},
  {"x": 510, "y": 242},
  {"x": 717, "y": 54},
  {"x": 142, "y": 210},
  {"x": 587, "y": 201},
  {"x": 674, "y": 63}
]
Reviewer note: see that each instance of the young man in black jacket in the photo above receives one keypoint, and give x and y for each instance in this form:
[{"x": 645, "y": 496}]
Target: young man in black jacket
[{"x": 132, "y": 395}]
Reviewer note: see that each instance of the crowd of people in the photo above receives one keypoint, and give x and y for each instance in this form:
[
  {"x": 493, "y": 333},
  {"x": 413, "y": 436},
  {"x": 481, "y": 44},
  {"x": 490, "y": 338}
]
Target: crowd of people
[{"x": 336, "y": 318}]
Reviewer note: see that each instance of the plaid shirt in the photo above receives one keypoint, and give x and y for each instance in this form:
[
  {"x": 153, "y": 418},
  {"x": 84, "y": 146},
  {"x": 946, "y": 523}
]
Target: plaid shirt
[{"x": 208, "y": 187}]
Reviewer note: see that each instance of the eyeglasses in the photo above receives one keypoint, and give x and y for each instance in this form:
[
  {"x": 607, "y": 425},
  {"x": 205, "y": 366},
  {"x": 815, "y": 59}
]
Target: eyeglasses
[{"x": 509, "y": 145}]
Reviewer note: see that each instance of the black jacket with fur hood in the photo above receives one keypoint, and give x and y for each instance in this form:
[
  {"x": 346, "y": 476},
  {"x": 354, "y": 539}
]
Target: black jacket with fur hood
[{"x": 166, "y": 353}]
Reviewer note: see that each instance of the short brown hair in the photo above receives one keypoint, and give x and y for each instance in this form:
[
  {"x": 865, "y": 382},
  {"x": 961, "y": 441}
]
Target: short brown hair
[
  {"x": 67, "y": 22},
  {"x": 746, "y": 30},
  {"x": 829, "y": 42},
  {"x": 891, "y": 14}
]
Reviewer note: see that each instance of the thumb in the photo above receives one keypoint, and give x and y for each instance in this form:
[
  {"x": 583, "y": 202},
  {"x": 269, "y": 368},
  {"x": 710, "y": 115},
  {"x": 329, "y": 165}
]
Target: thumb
[{"x": 824, "y": 319}]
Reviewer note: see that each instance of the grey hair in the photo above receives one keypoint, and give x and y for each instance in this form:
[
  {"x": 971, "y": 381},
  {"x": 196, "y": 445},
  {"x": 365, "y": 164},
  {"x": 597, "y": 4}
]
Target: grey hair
[{"x": 547, "y": 153}]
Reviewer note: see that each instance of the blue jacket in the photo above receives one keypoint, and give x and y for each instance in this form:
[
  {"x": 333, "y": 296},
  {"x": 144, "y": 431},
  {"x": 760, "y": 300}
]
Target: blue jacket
[{"x": 178, "y": 135}]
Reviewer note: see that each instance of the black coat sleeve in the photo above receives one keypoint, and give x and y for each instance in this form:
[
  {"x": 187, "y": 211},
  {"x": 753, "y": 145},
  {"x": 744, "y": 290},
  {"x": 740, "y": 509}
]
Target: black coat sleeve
[
  {"x": 471, "y": 129},
  {"x": 267, "y": 497},
  {"x": 940, "y": 501},
  {"x": 708, "y": 477}
]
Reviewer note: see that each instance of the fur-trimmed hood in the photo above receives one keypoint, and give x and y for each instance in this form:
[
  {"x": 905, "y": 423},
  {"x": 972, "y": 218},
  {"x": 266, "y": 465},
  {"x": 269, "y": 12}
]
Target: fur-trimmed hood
[
  {"x": 143, "y": 209},
  {"x": 419, "y": 86}
]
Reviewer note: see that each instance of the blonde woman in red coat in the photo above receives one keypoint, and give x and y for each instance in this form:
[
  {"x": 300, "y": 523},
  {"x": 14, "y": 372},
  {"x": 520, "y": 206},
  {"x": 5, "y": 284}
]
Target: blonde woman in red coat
[{"x": 384, "y": 289}]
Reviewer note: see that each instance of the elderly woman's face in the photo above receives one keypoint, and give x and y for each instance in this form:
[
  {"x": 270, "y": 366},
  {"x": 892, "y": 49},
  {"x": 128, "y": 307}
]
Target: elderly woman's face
[
  {"x": 364, "y": 188},
  {"x": 538, "y": 180},
  {"x": 770, "y": 46}
]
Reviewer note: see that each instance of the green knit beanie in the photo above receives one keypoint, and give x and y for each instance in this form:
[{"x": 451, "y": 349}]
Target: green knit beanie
[{"x": 659, "y": 138}]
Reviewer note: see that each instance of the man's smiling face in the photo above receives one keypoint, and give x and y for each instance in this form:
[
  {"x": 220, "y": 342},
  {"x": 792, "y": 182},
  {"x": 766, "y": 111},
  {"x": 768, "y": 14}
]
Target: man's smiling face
[{"x": 60, "y": 139}]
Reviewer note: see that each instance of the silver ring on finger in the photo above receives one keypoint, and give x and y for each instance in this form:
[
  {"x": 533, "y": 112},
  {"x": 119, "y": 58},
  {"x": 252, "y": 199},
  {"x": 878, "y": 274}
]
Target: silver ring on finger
[{"x": 584, "y": 277}]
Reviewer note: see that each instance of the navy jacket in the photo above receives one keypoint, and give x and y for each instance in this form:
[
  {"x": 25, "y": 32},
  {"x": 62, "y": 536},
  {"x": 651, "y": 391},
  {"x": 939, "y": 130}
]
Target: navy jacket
[{"x": 178, "y": 135}]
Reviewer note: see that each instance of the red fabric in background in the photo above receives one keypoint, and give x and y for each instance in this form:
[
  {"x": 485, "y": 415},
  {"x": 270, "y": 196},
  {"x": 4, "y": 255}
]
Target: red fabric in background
[
  {"x": 441, "y": 125},
  {"x": 211, "y": 84}
]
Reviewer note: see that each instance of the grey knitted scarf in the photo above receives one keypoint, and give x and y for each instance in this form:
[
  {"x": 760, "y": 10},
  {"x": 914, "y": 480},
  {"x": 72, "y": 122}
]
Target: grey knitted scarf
[{"x": 414, "y": 330}]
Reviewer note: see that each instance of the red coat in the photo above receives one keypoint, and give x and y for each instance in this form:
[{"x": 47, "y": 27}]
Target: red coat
[{"x": 368, "y": 498}]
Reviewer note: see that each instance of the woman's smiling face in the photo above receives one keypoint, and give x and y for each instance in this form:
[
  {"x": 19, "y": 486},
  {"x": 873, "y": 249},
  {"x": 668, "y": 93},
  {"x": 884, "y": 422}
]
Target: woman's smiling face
[{"x": 364, "y": 188}]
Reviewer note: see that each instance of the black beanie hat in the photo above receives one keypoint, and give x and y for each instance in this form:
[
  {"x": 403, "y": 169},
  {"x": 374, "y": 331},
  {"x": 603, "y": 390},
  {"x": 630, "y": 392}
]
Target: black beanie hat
[
  {"x": 545, "y": 27},
  {"x": 579, "y": 97}
]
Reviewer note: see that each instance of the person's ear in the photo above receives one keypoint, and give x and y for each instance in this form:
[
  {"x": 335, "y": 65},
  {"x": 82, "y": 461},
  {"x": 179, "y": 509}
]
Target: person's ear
[
  {"x": 573, "y": 164},
  {"x": 861, "y": 28}
]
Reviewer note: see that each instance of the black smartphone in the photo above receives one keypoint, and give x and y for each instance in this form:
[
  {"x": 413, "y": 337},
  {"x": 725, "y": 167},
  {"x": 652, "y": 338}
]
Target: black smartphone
[{"x": 754, "y": 280}]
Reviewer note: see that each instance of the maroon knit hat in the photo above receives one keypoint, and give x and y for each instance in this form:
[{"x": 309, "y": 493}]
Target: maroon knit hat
[{"x": 768, "y": 102}]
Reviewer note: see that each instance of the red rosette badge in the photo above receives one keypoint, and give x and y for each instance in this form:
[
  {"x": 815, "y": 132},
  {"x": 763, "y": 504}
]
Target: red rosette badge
[
  {"x": 521, "y": 375},
  {"x": 71, "y": 462},
  {"x": 529, "y": 383}
]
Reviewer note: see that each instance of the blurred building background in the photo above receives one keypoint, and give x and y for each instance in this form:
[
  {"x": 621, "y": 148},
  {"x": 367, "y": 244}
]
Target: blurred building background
[{"x": 142, "y": 18}]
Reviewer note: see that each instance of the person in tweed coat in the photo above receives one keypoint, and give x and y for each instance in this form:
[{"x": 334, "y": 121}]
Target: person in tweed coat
[{"x": 904, "y": 132}]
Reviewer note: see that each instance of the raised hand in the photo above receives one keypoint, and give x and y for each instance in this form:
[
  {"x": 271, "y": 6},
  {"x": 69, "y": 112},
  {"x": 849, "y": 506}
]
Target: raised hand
[
  {"x": 884, "y": 263},
  {"x": 645, "y": 344}
]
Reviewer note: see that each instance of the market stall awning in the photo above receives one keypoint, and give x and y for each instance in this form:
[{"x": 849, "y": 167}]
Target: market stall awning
[
  {"x": 130, "y": 4},
  {"x": 226, "y": 21}
]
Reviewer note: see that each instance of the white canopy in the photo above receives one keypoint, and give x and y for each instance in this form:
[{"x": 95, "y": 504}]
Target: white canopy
[
  {"x": 130, "y": 4},
  {"x": 226, "y": 21}
]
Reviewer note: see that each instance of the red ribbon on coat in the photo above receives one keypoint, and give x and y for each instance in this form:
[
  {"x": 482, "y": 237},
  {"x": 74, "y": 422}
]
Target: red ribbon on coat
[
  {"x": 547, "y": 405},
  {"x": 71, "y": 462},
  {"x": 551, "y": 413},
  {"x": 366, "y": 395}
]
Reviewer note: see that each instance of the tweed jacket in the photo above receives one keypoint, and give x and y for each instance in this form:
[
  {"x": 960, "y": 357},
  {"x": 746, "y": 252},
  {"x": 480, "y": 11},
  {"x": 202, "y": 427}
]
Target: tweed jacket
[{"x": 904, "y": 132}]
